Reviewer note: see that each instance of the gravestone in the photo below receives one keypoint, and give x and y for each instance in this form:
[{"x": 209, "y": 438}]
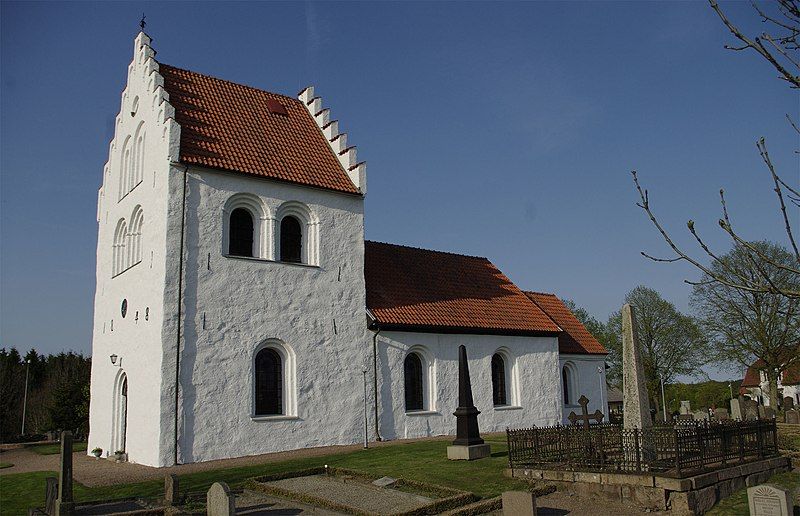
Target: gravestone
[
  {"x": 769, "y": 413},
  {"x": 171, "y": 496},
  {"x": 65, "y": 504},
  {"x": 685, "y": 417},
  {"x": 219, "y": 500},
  {"x": 468, "y": 444},
  {"x": 736, "y": 409},
  {"x": 769, "y": 500},
  {"x": 721, "y": 414},
  {"x": 519, "y": 503},
  {"x": 634, "y": 386},
  {"x": 50, "y": 495},
  {"x": 385, "y": 482},
  {"x": 686, "y": 407},
  {"x": 792, "y": 417},
  {"x": 585, "y": 416},
  {"x": 788, "y": 403},
  {"x": 750, "y": 410},
  {"x": 700, "y": 415}
]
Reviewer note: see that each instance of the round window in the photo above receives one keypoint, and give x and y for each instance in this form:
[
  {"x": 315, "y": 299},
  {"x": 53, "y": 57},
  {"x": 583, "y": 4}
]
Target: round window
[{"x": 124, "y": 308}]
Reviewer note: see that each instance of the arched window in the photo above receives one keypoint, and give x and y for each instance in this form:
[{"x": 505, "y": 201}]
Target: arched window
[
  {"x": 499, "y": 380},
  {"x": 291, "y": 240},
  {"x": 135, "y": 250},
  {"x": 125, "y": 158},
  {"x": 241, "y": 233},
  {"x": 412, "y": 369},
  {"x": 269, "y": 383},
  {"x": 118, "y": 256},
  {"x": 565, "y": 383}
]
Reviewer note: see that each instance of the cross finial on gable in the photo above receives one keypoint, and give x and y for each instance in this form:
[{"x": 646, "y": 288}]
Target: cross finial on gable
[{"x": 142, "y": 22}]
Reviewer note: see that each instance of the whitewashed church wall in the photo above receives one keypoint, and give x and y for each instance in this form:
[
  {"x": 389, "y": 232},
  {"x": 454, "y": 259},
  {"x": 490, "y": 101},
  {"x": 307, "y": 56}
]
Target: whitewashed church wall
[
  {"x": 533, "y": 389},
  {"x": 233, "y": 305},
  {"x": 133, "y": 186},
  {"x": 588, "y": 378}
]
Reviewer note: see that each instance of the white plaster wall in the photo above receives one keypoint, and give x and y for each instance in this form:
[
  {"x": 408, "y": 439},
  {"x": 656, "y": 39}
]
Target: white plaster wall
[
  {"x": 537, "y": 388},
  {"x": 587, "y": 381},
  {"x": 792, "y": 391},
  {"x": 232, "y": 305},
  {"x": 136, "y": 340}
]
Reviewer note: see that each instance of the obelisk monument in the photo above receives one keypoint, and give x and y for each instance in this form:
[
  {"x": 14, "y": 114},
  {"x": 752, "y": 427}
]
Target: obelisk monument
[
  {"x": 636, "y": 413},
  {"x": 468, "y": 444}
]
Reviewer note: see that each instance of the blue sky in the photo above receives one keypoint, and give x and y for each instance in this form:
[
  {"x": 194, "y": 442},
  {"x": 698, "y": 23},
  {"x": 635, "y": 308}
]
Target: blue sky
[{"x": 506, "y": 130}]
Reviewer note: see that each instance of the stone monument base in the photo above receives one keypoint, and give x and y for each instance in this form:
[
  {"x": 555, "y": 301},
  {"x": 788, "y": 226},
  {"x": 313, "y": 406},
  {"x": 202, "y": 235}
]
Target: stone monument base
[{"x": 476, "y": 451}]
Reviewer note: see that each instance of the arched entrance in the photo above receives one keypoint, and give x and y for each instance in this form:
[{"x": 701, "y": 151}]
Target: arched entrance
[{"x": 120, "y": 421}]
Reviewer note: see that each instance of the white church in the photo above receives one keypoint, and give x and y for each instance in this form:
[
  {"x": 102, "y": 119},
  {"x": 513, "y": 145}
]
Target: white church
[{"x": 240, "y": 311}]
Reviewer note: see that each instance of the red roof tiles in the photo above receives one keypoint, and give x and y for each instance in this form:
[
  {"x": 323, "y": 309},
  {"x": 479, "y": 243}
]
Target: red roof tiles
[
  {"x": 421, "y": 290},
  {"x": 790, "y": 376},
  {"x": 575, "y": 338},
  {"x": 233, "y": 127}
]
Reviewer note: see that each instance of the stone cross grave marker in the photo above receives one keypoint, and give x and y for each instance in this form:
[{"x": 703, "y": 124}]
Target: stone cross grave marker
[
  {"x": 634, "y": 386},
  {"x": 219, "y": 500},
  {"x": 65, "y": 504},
  {"x": 585, "y": 416},
  {"x": 769, "y": 500}
]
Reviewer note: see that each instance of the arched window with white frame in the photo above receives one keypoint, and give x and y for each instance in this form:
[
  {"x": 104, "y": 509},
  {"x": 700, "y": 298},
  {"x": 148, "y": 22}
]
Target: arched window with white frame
[
  {"x": 419, "y": 381},
  {"x": 273, "y": 380},
  {"x": 499, "y": 380},
  {"x": 297, "y": 239},
  {"x": 118, "y": 249},
  {"x": 135, "y": 232},
  {"x": 568, "y": 384},
  {"x": 245, "y": 227}
]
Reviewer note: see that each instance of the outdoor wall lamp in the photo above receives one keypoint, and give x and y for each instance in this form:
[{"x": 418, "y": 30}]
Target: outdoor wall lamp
[{"x": 113, "y": 359}]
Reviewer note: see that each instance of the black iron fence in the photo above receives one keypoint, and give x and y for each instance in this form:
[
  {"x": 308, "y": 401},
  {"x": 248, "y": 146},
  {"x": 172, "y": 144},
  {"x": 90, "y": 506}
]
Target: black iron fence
[{"x": 680, "y": 450}]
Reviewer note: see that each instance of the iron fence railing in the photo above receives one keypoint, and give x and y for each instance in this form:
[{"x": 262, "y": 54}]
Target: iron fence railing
[{"x": 680, "y": 450}]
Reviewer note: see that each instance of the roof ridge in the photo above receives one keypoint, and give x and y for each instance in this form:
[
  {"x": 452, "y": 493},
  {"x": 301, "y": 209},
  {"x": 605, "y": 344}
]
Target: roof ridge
[
  {"x": 540, "y": 293},
  {"x": 429, "y": 250},
  {"x": 214, "y": 78}
]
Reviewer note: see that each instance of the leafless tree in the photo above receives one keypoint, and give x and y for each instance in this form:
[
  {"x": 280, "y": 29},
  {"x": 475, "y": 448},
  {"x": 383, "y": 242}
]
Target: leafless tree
[
  {"x": 780, "y": 51},
  {"x": 778, "y": 48}
]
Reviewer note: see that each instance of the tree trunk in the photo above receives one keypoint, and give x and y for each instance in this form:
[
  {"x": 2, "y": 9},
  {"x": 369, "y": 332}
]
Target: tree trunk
[{"x": 772, "y": 379}]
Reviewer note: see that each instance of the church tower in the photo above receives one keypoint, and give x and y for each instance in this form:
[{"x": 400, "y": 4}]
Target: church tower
[{"x": 230, "y": 272}]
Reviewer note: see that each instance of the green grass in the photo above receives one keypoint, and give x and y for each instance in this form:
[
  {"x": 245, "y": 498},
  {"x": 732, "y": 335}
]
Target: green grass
[
  {"x": 4, "y": 465},
  {"x": 422, "y": 461},
  {"x": 736, "y": 504},
  {"x": 54, "y": 448}
]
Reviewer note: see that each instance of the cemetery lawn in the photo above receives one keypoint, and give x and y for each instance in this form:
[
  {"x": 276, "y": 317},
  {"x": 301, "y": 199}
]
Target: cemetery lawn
[
  {"x": 736, "y": 504},
  {"x": 54, "y": 448},
  {"x": 424, "y": 461}
]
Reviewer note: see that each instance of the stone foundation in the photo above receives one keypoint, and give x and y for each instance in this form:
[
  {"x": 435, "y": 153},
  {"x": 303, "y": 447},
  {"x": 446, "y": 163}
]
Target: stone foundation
[{"x": 691, "y": 495}]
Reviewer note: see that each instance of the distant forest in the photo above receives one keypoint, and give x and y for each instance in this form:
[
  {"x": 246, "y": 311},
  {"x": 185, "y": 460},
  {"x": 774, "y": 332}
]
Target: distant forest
[{"x": 58, "y": 393}]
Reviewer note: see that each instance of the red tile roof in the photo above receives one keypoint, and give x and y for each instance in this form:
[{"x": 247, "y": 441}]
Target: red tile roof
[
  {"x": 421, "y": 290},
  {"x": 752, "y": 378},
  {"x": 233, "y": 127},
  {"x": 791, "y": 375},
  {"x": 575, "y": 338}
]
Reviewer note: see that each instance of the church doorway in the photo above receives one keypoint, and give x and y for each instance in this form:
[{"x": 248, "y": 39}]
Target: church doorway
[{"x": 120, "y": 428}]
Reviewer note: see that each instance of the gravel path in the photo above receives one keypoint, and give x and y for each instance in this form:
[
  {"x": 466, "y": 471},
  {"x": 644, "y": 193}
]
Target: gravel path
[
  {"x": 91, "y": 472},
  {"x": 354, "y": 493}
]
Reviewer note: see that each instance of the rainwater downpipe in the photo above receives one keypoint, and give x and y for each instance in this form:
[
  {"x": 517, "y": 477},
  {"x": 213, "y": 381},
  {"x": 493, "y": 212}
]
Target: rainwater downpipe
[
  {"x": 180, "y": 301},
  {"x": 375, "y": 379}
]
